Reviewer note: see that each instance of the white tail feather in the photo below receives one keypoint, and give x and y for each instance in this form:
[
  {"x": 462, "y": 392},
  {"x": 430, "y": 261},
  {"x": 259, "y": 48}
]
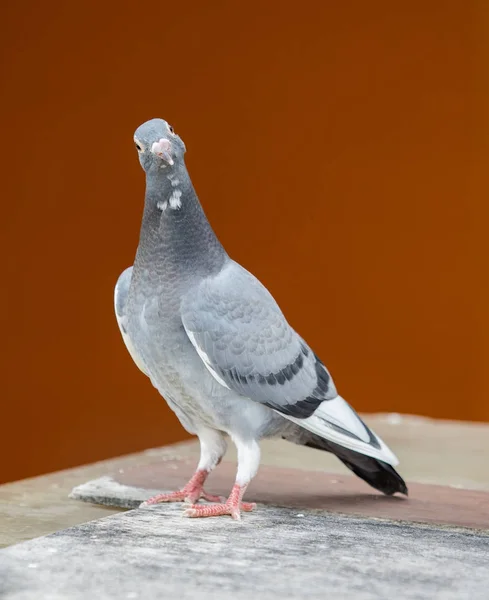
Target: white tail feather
[{"x": 338, "y": 412}]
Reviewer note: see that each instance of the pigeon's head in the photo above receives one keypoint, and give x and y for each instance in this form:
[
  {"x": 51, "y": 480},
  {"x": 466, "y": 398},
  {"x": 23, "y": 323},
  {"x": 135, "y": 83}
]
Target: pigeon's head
[{"x": 158, "y": 146}]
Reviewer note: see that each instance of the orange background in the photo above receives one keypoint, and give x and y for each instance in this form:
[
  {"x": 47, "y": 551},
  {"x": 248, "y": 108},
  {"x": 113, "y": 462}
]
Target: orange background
[{"x": 340, "y": 150}]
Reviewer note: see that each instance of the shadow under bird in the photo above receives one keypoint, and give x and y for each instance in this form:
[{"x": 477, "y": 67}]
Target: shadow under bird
[{"x": 216, "y": 345}]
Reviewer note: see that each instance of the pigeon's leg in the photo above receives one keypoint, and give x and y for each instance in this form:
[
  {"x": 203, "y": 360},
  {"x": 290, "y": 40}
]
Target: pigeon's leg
[
  {"x": 248, "y": 462},
  {"x": 212, "y": 449}
]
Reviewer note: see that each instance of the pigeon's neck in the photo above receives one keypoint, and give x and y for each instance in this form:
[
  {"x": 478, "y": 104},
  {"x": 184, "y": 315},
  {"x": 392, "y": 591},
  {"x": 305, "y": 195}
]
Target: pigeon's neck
[{"x": 176, "y": 239}]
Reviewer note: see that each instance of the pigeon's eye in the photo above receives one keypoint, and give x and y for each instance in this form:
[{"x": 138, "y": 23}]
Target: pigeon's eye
[
  {"x": 138, "y": 147},
  {"x": 171, "y": 129}
]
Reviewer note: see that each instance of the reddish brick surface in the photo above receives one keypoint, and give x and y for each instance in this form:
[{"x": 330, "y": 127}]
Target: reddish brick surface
[{"x": 346, "y": 494}]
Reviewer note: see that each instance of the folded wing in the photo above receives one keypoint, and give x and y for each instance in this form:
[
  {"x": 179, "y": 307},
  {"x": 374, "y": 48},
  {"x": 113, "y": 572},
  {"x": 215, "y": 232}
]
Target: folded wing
[{"x": 246, "y": 343}]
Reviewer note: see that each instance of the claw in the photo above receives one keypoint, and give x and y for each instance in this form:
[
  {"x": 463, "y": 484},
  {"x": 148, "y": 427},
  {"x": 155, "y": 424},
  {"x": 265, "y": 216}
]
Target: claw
[
  {"x": 190, "y": 493},
  {"x": 233, "y": 506}
]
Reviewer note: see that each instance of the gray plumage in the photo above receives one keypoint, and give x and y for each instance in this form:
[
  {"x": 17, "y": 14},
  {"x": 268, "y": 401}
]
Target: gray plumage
[{"x": 215, "y": 343}]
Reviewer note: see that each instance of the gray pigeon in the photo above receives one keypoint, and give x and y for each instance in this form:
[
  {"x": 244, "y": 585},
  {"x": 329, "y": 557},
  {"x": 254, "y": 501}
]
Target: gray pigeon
[{"x": 216, "y": 345}]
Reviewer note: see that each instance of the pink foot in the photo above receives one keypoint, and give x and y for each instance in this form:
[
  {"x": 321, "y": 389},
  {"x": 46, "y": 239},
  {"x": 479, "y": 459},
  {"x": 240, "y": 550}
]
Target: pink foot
[
  {"x": 233, "y": 506},
  {"x": 192, "y": 492}
]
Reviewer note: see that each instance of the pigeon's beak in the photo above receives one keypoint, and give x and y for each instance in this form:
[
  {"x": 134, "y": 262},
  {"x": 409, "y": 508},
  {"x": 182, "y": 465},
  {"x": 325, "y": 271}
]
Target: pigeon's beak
[{"x": 162, "y": 149}]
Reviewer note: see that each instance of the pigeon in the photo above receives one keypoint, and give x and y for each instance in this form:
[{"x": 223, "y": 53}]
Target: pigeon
[{"x": 215, "y": 344}]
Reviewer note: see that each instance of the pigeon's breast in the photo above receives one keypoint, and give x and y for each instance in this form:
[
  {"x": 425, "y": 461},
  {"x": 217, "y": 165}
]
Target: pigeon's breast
[
  {"x": 175, "y": 369},
  {"x": 179, "y": 374}
]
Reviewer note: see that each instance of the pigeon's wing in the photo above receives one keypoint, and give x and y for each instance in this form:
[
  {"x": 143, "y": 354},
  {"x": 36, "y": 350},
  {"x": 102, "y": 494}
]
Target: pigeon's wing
[
  {"x": 246, "y": 343},
  {"x": 120, "y": 297}
]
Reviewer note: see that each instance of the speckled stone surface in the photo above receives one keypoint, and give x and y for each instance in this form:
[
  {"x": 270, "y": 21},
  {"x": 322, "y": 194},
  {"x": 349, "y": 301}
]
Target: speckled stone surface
[{"x": 278, "y": 553}]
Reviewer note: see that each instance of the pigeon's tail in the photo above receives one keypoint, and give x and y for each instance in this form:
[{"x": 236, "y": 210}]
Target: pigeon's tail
[{"x": 377, "y": 473}]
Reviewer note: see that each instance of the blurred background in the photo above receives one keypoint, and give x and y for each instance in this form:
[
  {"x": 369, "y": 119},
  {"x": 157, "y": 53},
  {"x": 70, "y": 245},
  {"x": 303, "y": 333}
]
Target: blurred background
[{"x": 340, "y": 150}]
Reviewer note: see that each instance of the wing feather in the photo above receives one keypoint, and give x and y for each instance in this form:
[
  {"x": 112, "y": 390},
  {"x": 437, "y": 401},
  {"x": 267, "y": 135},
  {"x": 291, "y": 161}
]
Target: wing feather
[{"x": 120, "y": 298}]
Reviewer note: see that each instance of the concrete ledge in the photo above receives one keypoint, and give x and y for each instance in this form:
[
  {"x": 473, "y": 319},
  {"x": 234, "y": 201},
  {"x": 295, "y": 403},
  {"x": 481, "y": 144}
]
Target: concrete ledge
[
  {"x": 274, "y": 553},
  {"x": 443, "y": 453}
]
